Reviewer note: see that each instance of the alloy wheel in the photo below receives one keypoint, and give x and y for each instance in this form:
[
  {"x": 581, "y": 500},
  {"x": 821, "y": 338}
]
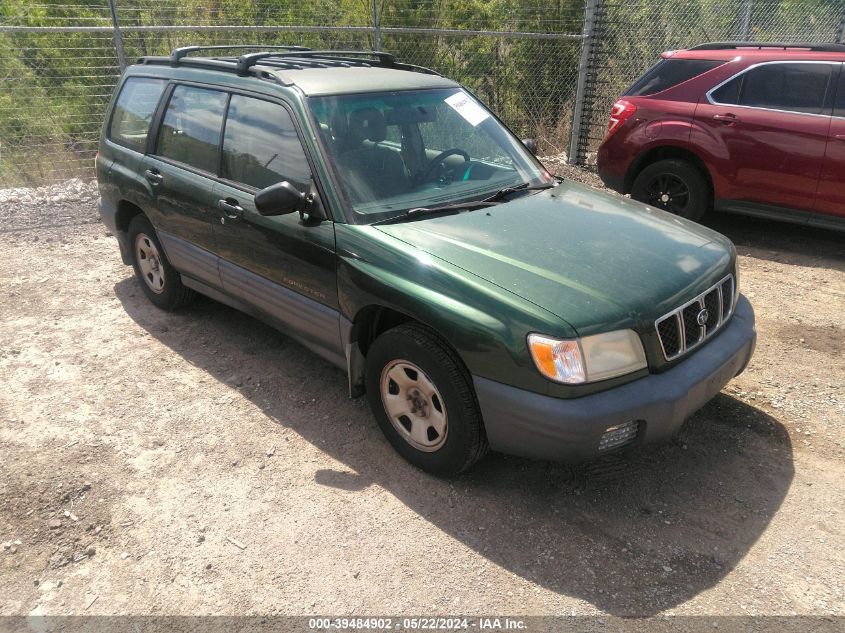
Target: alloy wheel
[{"x": 667, "y": 191}]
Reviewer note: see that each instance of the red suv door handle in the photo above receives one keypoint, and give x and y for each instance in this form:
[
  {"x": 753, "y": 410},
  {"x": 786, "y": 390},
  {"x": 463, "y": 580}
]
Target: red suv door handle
[
  {"x": 839, "y": 137},
  {"x": 726, "y": 119}
]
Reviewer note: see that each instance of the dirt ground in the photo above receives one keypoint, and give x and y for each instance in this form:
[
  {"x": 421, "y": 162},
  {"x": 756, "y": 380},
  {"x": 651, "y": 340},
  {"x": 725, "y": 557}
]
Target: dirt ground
[{"x": 201, "y": 463}]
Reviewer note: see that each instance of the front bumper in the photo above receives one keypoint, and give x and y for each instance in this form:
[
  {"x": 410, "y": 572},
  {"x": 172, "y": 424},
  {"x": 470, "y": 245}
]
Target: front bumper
[{"x": 525, "y": 423}]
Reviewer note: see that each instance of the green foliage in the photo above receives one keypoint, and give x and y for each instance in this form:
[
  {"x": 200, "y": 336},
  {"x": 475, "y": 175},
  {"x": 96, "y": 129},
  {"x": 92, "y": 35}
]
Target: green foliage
[{"x": 55, "y": 85}]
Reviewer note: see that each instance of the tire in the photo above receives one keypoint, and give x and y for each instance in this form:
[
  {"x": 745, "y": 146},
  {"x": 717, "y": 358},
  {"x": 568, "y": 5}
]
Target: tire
[
  {"x": 157, "y": 278},
  {"x": 674, "y": 185},
  {"x": 442, "y": 432}
]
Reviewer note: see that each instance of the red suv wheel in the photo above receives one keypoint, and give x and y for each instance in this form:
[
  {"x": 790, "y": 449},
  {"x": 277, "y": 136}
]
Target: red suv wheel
[{"x": 674, "y": 185}]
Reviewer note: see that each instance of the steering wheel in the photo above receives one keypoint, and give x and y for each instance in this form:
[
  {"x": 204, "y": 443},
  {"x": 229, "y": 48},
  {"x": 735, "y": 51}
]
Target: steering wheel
[{"x": 425, "y": 174}]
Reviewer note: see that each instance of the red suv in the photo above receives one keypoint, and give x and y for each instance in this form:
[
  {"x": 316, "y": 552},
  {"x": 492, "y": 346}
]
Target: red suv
[{"x": 749, "y": 128}]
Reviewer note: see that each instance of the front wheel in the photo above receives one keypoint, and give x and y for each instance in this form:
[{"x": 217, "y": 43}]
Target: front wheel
[
  {"x": 423, "y": 401},
  {"x": 675, "y": 186}
]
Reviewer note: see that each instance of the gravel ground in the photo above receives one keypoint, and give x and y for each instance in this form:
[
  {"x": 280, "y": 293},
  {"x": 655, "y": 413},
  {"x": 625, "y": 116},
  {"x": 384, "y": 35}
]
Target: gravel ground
[{"x": 202, "y": 463}]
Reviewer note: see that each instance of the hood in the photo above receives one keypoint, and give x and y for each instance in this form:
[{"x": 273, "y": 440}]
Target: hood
[{"x": 598, "y": 261}]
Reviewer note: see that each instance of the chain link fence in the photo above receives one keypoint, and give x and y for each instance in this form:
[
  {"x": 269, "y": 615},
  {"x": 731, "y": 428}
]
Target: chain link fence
[{"x": 59, "y": 61}]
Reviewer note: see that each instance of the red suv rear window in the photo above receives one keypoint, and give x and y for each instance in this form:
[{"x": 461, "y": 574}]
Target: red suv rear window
[{"x": 669, "y": 72}]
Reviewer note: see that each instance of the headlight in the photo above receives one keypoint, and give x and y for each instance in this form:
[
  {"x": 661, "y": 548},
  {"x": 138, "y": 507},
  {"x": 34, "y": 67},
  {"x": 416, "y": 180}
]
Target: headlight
[{"x": 588, "y": 359}]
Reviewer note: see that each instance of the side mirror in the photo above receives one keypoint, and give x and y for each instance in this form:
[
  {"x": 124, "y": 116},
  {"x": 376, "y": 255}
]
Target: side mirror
[
  {"x": 530, "y": 145},
  {"x": 279, "y": 199}
]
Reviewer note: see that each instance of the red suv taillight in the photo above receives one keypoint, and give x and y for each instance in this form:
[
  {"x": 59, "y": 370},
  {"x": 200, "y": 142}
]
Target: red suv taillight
[{"x": 622, "y": 111}]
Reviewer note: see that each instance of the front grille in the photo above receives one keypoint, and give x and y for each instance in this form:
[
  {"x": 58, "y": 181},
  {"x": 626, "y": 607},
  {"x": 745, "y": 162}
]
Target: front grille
[
  {"x": 728, "y": 296},
  {"x": 686, "y": 327},
  {"x": 670, "y": 335},
  {"x": 692, "y": 332}
]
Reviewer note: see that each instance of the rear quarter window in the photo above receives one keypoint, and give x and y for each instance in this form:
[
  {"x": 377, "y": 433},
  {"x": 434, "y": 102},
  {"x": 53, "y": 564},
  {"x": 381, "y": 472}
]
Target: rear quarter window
[
  {"x": 668, "y": 73},
  {"x": 133, "y": 111}
]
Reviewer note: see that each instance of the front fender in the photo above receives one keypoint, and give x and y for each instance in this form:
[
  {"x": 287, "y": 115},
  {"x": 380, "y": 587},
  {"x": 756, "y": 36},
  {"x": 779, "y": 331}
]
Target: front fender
[{"x": 486, "y": 325}]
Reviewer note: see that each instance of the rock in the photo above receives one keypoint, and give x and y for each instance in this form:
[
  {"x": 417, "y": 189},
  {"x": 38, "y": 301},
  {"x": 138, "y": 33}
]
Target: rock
[
  {"x": 13, "y": 550},
  {"x": 201, "y": 538},
  {"x": 7, "y": 545},
  {"x": 208, "y": 566},
  {"x": 236, "y": 543},
  {"x": 90, "y": 551},
  {"x": 98, "y": 529},
  {"x": 124, "y": 556},
  {"x": 54, "y": 524},
  {"x": 58, "y": 560},
  {"x": 67, "y": 512},
  {"x": 666, "y": 568}
]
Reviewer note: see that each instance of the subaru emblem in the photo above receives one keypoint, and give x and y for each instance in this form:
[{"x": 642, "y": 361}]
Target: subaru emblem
[{"x": 701, "y": 317}]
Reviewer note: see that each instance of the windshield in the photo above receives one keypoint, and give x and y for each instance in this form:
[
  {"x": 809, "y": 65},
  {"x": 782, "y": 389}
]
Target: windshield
[{"x": 395, "y": 151}]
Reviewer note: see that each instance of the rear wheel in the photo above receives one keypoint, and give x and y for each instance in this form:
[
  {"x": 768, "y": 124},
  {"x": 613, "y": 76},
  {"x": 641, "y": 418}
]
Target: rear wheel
[
  {"x": 157, "y": 278},
  {"x": 423, "y": 401},
  {"x": 675, "y": 186}
]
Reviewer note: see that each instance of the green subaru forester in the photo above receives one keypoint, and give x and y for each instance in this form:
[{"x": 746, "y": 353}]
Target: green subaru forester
[{"x": 381, "y": 215}]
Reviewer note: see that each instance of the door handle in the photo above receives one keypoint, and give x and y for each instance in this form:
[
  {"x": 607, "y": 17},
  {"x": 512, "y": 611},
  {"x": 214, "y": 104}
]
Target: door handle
[
  {"x": 726, "y": 119},
  {"x": 154, "y": 176},
  {"x": 839, "y": 137},
  {"x": 231, "y": 208}
]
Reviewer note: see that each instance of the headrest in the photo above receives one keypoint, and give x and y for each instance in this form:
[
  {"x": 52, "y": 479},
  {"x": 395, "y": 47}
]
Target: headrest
[
  {"x": 367, "y": 123},
  {"x": 338, "y": 125}
]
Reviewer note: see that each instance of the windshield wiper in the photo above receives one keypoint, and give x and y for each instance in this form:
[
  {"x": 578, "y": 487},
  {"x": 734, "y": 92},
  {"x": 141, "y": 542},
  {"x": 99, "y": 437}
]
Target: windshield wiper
[
  {"x": 452, "y": 207},
  {"x": 501, "y": 193},
  {"x": 470, "y": 205}
]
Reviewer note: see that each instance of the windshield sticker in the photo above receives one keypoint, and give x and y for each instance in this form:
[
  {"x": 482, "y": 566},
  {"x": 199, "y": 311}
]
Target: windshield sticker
[{"x": 464, "y": 105}]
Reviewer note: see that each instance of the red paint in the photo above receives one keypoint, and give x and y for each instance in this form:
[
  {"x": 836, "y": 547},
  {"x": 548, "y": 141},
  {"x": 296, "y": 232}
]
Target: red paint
[{"x": 753, "y": 156}]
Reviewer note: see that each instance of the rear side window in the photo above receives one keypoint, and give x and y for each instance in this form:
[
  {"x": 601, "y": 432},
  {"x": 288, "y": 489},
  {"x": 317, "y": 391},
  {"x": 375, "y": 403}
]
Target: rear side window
[
  {"x": 261, "y": 147},
  {"x": 670, "y": 72},
  {"x": 133, "y": 111},
  {"x": 794, "y": 87},
  {"x": 190, "y": 132}
]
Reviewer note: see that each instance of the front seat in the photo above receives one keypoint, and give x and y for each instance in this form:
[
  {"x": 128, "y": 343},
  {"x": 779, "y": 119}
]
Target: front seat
[{"x": 371, "y": 171}]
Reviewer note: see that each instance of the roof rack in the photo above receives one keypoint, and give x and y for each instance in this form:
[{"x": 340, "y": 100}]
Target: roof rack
[
  {"x": 271, "y": 58},
  {"x": 319, "y": 59},
  {"x": 716, "y": 46},
  {"x": 180, "y": 53}
]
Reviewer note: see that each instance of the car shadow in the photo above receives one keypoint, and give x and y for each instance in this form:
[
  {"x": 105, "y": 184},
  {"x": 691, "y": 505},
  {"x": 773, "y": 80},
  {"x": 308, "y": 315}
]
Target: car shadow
[
  {"x": 782, "y": 241},
  {"x": 632, "y": 535}
]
